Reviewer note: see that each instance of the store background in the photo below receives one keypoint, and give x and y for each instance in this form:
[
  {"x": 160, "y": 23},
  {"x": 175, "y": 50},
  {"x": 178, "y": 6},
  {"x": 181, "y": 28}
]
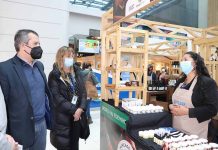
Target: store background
[
  {"x": 54, "y": 20},
  {"x": 57, "y": 20}
]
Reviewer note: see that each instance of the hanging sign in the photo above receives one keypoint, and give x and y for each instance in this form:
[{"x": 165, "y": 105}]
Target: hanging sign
[{"x": 123, "y": 8}]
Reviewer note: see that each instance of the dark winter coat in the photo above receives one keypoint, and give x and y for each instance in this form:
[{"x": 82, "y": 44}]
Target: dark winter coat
[{"x": 61, "y": 135}]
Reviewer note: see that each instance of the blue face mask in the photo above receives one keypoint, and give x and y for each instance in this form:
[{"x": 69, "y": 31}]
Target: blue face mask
[
  {"x": 186, "y": 66},
  {"x": 68, "y": 62}
]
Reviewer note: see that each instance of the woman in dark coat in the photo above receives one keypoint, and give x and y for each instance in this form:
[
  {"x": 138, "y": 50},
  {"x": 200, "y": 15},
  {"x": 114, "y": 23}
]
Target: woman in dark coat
[{"x": 69, "y": 96}]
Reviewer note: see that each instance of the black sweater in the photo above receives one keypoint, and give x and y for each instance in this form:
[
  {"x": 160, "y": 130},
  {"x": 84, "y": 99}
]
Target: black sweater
[{"x": 204, "y": 98}]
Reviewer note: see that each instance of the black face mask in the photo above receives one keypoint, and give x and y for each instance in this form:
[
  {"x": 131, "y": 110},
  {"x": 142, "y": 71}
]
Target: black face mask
[{"x": 36, "y": 52}]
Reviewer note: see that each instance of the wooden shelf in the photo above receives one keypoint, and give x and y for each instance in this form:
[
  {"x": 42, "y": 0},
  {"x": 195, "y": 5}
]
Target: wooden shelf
[
  {"x": 211, "y": 62},
  {"x": 130, "y": 88},
  {"x": 123, "y": 88},
  {"x": 131, "y": 69},
  {"x": 125, "y": 69},
  {"x": 110, "y": 86},
  {"x": 132, "y": 50},
  {"x": 110, "y": 69},
  {"x": 111, "y": 51},
  {"x": 127, "y": 50}
]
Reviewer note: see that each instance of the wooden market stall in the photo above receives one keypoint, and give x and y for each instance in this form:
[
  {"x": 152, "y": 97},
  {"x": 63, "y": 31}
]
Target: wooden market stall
[
  {"x": 95, "y": 61},
  {"x": 118, "y": 41},
  {"x": 126, "y": 47}
]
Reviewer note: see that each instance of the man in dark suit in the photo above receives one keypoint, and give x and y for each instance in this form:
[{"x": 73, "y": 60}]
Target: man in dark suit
[{"x": 26, "y": 93}]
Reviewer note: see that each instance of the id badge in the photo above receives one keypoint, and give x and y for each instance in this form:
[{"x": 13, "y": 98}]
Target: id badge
[{"x": 74, "y": 100}]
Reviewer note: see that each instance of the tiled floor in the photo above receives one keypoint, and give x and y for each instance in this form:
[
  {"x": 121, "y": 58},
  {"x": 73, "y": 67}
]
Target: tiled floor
[{"x": 93, "y": 142}]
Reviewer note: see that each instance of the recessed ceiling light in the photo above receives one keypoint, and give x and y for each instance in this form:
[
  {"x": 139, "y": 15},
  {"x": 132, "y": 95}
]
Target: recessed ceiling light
[{"x": 160, "y": 2}]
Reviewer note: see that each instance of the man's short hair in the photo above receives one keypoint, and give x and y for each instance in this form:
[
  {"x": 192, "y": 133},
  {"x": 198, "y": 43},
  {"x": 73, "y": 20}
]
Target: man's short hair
[{"x": 22, "y": 37}]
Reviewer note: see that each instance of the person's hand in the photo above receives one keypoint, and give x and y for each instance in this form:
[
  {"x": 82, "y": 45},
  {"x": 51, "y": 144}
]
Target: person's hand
[
  {"x": 77, "y": 114},
  {"x": 12, "y": 142},
  {"x": 177, "y": 110}
]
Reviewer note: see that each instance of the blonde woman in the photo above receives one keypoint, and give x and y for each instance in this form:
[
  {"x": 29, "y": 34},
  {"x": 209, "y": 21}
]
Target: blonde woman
[{"x": 69, "y": 97}]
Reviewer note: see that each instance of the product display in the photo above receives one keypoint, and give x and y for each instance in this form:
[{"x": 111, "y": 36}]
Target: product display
[
  {"x": 143, "y": 109},
  {"x": 191, "y": 142},
  {"x": 171, "y": 139},
  {"x": 156, "y": 86},
  {"x": 131, "y": 102}
]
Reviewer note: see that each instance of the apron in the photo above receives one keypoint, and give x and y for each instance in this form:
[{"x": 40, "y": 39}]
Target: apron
[{"x": 185, "y": 124}]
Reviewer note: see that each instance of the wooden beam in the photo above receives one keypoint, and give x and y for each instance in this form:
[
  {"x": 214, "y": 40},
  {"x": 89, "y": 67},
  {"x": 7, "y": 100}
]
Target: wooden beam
[
  {"x": 145, "y": 63},
  {"x": 175, "y": 31},
  {"x": 167, "y": 35},
  {"x": 156, "y": 48},
  {"x": 213, "y": 28},
  {"x": 208, "y": 41},
  {"x": 132, "y": 30},
  {"x": 167, "y": 49},
  {"x": 170, "y": 25},
  {"x": 156, "y": 29},
  {"x": 135, "y": 24},
  {"x": 192, "y": 33},
  {"x": 175, "y": 40},
  {"x": 212, "y": 32},
  {"x": 132, "y": 50}
]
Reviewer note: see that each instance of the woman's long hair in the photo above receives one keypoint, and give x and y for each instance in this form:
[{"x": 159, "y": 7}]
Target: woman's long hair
[
  {"x": 60, "y": 61},
  {"x": 201, "y": 68}
]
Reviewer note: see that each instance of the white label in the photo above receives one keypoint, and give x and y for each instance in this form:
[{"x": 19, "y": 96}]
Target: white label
[
  {"x": 74, "y": 100},
  {"x": 135, "y": 5}
]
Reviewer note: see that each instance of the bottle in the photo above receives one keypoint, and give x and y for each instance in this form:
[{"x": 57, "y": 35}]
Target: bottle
[
  {"x": 161, "y": 87},
  {"x": 149, "y": 86},
  {"x": 154, "y": 86}
]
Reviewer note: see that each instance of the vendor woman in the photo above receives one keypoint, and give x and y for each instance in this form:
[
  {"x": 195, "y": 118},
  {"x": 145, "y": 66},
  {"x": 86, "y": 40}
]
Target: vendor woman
[{"x": 195, "y": 98}]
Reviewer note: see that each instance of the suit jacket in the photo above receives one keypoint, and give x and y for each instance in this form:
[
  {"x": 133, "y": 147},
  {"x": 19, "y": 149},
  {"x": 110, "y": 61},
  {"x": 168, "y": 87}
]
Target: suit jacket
[
  {"x": 4, "y": 144},
  {"x": 18, "y": 100}
]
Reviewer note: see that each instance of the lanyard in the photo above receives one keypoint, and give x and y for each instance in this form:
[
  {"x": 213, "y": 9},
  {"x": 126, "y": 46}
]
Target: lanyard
[{"x": 72, "y": 84}]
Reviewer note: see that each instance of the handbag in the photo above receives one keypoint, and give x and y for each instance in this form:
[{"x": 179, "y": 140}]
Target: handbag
[
  {"x": 91, "y": 88},
  {"x": 84, "y": 127}
]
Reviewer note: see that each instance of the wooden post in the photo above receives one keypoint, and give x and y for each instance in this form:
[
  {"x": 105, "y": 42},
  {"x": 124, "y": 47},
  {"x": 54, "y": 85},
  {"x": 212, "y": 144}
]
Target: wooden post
[
  {"x": 118, "y": 61},
  {"x": 145, "y": 62}
]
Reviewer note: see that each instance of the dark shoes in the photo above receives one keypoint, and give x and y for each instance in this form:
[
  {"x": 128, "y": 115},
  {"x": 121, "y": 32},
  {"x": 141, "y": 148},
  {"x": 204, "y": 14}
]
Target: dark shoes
[{"x": 89, "y": 119}]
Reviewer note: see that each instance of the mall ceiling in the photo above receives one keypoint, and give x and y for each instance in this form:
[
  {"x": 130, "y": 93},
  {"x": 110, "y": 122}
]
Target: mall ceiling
[
  {"x": 181, "y": 12},
  {"x": 105, "y": 5},
  {"x": 99, "y": 4}
]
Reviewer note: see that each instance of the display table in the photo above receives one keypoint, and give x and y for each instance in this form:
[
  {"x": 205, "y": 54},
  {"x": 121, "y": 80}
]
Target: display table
[{"x": 119, "y": 127}]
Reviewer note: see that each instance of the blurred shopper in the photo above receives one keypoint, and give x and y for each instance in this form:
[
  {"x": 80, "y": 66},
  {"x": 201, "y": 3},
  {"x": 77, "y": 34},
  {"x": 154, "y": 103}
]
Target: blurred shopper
[
  {"x": 26, "y": 93},
  {"x": 69, "y": 97},
  {"x": 89, "y": 75},
  {"x": 151, "y": 74},
  {"x": 163, "y": 76},
  {"x": 195, "y": 98},
  {"x": 6, "y": 141}
]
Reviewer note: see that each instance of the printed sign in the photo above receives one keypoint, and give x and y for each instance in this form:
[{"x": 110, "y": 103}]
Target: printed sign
[
  {"x": 124, "y": 8},
  {"x": 124, "y": 145}
]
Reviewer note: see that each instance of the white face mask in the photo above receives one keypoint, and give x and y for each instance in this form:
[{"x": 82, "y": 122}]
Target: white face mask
[
  {"x": 186, "y": 66},
  {"x": 68, "y": 62}
]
